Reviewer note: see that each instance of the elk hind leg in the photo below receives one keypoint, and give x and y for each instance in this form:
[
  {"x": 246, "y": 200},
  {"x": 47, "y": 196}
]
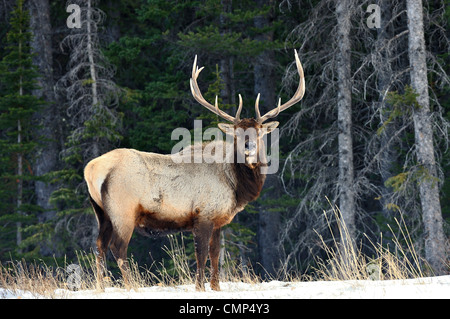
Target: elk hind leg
[
  {"x": 202, "y": 234},
  {"x": 105, "y": 231}
]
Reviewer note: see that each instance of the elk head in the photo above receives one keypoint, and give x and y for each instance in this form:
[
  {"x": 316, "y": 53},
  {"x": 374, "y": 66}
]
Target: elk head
[{"x": 248, "y": 132}]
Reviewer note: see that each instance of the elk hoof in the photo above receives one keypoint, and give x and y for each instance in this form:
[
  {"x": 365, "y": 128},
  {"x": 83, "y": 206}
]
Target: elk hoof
[{"x": 215, "y": 286}]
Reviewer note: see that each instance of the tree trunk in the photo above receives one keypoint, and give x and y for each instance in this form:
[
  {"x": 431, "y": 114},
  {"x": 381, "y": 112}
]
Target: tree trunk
[
  {"x": 19, "y": 183},
  {"x": 388, "y": 153},
  {"x": 93, "y": 73},
  {"x": 90, "y": 53},
  {"x": 344, "y": 105},
  {"x": 264, "y": 73},
  {"x": 227, "y": 63},
  {"x": 48, "y": 116},
  {"x": 19, "y": 166},
  {"x": 428, "y": 187},
  {"x": 269, "y": 231}
]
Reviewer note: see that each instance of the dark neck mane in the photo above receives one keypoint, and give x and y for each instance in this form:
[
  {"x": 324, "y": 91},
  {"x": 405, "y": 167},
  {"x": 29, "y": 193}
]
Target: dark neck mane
[{"x": 249, "y": 183}]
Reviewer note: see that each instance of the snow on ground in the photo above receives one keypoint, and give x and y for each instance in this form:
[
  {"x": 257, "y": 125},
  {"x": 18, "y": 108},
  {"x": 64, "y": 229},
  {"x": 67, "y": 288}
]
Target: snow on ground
[{"x": 433, "y": 287}]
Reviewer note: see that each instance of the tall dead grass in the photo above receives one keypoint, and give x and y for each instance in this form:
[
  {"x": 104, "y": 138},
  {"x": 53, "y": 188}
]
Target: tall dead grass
[
  {"x": 344, "y": 261},
  {"x": 42, "y": 281}
]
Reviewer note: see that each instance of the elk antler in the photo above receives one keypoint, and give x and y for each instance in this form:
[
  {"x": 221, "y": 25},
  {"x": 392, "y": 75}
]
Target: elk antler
[
  {"x": 296, "y": 98},
  {"x": 199, "y": 97}
]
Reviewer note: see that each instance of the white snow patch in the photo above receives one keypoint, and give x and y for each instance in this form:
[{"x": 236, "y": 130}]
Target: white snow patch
[{"x": 422, "y": 288}]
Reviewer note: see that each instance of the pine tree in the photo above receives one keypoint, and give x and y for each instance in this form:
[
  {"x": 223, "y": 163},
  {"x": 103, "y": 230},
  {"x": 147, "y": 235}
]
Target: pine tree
[
  {"x": 94, "y": 123},
  {"x": 383, "y": 130},
  {"x": 17, "y": 104},
  {"x": 228, "y": 38},
  {"x": 346, "y": 185},
  {"x": 240, "y": 37},
  {"x": 435, "y": 246}
]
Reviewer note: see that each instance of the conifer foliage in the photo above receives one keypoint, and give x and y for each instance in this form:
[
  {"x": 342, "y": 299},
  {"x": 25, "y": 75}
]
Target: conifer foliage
[
  {"x": 122, "y": 80},
  {"x": 17, "y": 106}
]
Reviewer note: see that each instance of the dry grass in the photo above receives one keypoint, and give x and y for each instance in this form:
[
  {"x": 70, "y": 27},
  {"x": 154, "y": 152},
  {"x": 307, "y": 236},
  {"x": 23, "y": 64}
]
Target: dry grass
[
  {"x": 182, "y": 272},
  {"x": 343, "y": 262},
  {"x": 346, "y": 262},
  {"x": 36, "y": 279},
  {"x": 41, "y": 280}
]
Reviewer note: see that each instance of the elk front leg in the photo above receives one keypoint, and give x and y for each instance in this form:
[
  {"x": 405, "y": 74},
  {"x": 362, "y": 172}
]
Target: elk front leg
[
  {"x": 202, "y": 234},
  {"x": 119, "y": 250},
  {"x": 119, "y": 246},
  {"x": 214, "y": 252}
]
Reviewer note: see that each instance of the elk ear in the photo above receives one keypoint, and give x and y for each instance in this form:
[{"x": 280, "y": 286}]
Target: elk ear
[
  {"x": 226, "y": 128},
  {"x": 269, "y": 127}
]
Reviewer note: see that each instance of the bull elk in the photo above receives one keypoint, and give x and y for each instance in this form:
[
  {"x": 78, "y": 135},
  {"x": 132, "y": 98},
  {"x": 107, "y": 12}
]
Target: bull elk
[{"x": 151, "y": 193}]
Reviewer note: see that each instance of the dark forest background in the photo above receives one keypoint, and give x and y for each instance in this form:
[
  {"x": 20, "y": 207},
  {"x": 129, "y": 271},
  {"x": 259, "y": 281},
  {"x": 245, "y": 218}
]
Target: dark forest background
[{"x": 368, "y": 136}]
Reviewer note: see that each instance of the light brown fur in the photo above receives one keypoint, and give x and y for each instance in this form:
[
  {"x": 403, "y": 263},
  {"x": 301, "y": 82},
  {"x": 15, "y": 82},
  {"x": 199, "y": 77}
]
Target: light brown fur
[
  {"x": 150, "y": 192},
  {"x": 153, "y": 193}
]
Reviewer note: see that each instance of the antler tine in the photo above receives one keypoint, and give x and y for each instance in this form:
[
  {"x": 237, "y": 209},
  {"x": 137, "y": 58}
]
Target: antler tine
[
  {"x": 259, "y": 118},
  {"x": 238, "y": 113},
  {"x": 258, "y": 115},
  {"x": 296, "y": 98},
  {"x": 197, "y": 94}
]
